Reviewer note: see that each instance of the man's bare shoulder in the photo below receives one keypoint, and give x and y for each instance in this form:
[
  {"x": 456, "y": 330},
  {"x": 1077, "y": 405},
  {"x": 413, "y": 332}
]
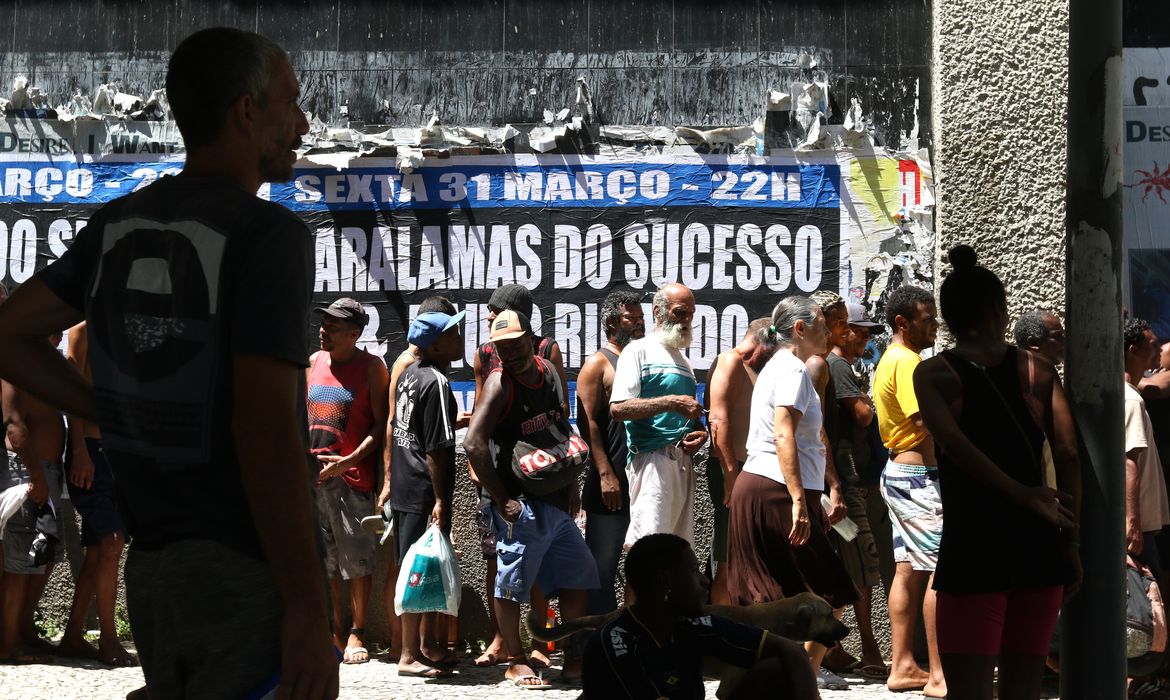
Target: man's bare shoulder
[
  {"x": 730, "y": 364},
  {"x": 405, "y": 359},
  {"x": 597, "y": 360}
]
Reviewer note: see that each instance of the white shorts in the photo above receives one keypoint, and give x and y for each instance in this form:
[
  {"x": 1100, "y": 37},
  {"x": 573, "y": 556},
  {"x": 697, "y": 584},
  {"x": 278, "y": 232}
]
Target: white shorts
[{"x": 662, "y": 494}]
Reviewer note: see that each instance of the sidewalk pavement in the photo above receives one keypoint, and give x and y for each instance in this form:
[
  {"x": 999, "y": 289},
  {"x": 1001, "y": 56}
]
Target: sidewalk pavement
[{"x": 68, "y": 679}]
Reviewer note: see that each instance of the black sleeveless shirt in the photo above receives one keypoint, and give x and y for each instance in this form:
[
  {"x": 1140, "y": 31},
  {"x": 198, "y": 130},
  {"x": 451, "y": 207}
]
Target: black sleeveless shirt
[
  {"x": 615, "y": 449},
  {"x": 525, "y": 403},
  {"x": 989, "y": 543}
]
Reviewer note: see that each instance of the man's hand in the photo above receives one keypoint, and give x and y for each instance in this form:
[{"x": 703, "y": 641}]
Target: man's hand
[
  {"x": 383, "y": 497},
  {"x": 509, "y": 510},
  {"x": 1133, "y": 536},
  {"x": 462, "y": 420},
  {"x": 693, "y": 441},
  {"x": 729, "y": 485},
  {"x": 611, "y": 489},
  {"x": 308, "y": 660},
  {"x": 331, "y": 466},
  {"x": 441, "y": 514},
  {"x": 38, "y": 491},
  {"x": 687, "y": 407},
  {"x": 837, "y": 508},
  {"x": 800, "y": 524},
  {"x": 81, "y": 469},
  {"x": 574, "y": 503}
]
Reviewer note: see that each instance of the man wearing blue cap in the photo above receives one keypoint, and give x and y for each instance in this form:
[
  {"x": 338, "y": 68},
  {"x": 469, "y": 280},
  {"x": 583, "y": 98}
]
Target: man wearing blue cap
[{"x": 423, "y": 477}]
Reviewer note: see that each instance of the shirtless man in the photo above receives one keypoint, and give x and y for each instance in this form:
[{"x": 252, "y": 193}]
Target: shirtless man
[
  {"x": 91, "y": 488},
  {"x": 729, "y": 396},
  {"x": 606, "y": 495},
  {"x": 35, "y": 439}
]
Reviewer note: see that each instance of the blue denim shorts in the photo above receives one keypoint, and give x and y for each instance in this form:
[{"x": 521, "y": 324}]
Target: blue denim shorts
[{"x": 543, "y": 546}]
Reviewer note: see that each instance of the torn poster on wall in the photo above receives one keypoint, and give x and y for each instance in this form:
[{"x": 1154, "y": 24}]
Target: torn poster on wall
[
  {"x": 742, "y": 231},
  {"x": 1146, "y": 285}
]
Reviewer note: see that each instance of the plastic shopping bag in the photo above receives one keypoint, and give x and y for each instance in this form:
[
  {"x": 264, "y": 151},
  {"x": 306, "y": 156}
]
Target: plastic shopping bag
[
  {"x": 10, "y": 502},
  {"x": 428, "y": 580}
]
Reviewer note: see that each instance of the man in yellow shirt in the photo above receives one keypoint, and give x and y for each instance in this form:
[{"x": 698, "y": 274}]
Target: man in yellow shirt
[{"x": 909, "y": 486}]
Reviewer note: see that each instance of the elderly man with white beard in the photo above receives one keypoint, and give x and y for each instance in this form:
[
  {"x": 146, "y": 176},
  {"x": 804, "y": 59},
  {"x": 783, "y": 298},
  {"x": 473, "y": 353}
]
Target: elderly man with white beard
[{"x": 654, "y": 393}]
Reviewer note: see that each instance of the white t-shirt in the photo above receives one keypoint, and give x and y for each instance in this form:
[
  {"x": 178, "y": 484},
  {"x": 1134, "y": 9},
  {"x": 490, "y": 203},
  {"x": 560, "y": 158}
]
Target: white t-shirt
[
  {"x": 1153, "y": 505},
  {"x": 785, "y": 382}
]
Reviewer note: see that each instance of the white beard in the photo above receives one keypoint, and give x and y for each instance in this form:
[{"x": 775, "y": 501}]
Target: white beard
[{"x": 672, "y": 335}]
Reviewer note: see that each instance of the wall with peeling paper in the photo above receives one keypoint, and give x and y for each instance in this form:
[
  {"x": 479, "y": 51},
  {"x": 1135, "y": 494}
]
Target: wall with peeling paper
[{"x": 666, "y": 62}]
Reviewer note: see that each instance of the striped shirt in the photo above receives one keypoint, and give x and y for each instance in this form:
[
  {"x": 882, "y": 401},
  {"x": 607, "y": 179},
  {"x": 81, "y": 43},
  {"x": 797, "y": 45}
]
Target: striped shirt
[{"x": 647, "y": 369}]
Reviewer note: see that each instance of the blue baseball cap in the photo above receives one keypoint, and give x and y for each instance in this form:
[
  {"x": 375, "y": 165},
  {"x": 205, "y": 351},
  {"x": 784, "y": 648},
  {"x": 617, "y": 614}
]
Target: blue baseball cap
[{"x": 426, "y": 328}]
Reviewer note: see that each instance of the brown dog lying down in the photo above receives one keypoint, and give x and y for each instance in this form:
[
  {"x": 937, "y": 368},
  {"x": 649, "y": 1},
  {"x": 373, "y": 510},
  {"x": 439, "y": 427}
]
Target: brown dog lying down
[{"x": 804, "y": 617}]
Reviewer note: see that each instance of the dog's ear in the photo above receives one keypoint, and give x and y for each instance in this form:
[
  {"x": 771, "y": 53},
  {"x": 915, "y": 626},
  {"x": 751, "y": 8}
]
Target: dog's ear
[{"x": 806, "y": 613}]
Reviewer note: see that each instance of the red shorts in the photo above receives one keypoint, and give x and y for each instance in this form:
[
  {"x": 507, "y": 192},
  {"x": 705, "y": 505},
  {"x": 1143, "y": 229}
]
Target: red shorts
[{"x": 987, "y": 624}]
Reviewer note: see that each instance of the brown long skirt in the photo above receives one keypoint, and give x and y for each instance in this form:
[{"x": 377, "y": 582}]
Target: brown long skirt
[{"x": 762, "y": 565}]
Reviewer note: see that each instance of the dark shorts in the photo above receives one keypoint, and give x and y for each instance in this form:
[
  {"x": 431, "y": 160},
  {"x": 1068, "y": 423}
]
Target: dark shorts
[
  {"x": 21, "y": 529},
  {"x": 762, "y": 565},
  {"x": 859, "y": 555},
  {"x": 408, "y": 527},
  {"x": 719, "y": 527},
  {"x": 96, "y": 505},
  {"x": 487, "y": 535},
  {"x": 349, "y": 550},
  {"x": 206, "y": 620}
]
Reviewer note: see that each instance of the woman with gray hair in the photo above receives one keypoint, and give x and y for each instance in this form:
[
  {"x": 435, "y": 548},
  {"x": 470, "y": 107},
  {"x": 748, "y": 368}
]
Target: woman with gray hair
[{"x": 777, "y": 535}]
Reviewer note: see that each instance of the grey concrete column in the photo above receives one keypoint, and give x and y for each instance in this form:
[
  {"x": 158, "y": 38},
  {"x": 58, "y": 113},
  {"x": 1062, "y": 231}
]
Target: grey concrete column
[{"x": 1093, "y": 649}]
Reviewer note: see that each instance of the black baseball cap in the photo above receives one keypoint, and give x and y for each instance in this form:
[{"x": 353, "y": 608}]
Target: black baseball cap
[{"x": 346, "y": 309}]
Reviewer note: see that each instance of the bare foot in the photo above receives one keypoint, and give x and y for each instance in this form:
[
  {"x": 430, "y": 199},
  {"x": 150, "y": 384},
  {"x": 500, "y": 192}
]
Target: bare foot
[
  {"x": 916, "y": 679},
  {"x": 112, "y": 654},
  {"x": 76, "y": 648},
  {"x": 494, "y": 654},
  {"x": 522, "y": 674},
  {"x": 839, "y": 661},
  {"x": 537, "y": 659},
  {"x": 35, "y": 643},
  {"x": 935, "y": 691}
]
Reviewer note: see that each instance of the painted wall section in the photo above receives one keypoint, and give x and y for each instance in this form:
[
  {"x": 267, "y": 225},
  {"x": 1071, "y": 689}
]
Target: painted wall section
[{"x": 1001, "y": 85}]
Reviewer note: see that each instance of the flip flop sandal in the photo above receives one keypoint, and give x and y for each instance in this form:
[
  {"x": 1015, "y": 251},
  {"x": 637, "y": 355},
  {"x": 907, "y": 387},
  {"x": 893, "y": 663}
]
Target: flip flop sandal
[
  {"x": 430, "y": 674},
  {"x": 350, "y": 651},
  {"x": 519, "y": 682},
  {"x": 25, "y": 659},
  {"x": 450, "y": 660},
  {"x": 874, "y": 671}
]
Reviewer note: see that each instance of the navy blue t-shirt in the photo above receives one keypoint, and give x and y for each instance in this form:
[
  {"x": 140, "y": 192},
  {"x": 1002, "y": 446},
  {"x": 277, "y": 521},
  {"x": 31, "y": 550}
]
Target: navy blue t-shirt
[
  {"x": 176, "y": 280},
  {"x": 622, "y": 660}
]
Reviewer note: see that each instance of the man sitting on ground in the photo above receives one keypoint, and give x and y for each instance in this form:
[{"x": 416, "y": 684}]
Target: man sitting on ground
[{"x": 654, "y": 650}]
